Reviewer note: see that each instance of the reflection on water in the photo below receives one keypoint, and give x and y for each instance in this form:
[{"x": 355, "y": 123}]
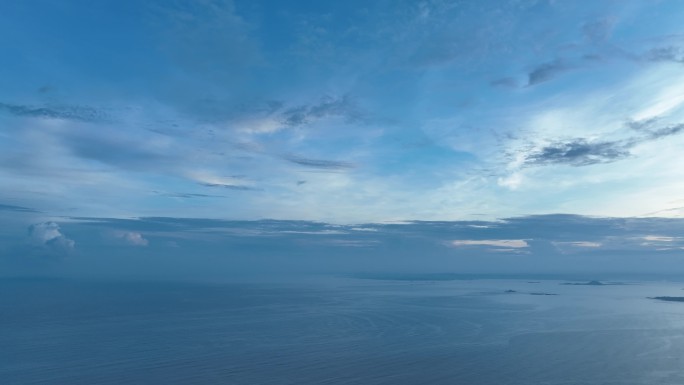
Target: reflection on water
[{"x": 343, "y": 331}]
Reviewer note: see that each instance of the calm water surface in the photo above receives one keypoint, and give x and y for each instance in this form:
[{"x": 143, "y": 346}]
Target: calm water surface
[{"x": 343, "y": 331}]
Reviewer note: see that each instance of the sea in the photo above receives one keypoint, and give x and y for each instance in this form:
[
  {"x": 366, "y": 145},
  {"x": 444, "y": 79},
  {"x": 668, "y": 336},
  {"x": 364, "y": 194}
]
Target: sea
[{"x": 341, "y": 330}]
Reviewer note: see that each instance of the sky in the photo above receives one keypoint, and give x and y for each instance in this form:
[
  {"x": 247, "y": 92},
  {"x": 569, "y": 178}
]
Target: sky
[{"x": 260, "y": 134}]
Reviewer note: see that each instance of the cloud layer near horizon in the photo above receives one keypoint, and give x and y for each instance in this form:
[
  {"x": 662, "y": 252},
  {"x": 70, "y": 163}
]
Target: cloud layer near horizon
[{"x": 165, "y": 247}]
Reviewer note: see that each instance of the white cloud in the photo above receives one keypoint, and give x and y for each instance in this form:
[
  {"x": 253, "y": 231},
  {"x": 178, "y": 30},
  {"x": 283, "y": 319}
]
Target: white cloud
[
  {"x": 364, "y": 229},
  {"x": 266, "y": 125},
  {"x": 512, "y": 181},
  {"x": 208, "y": 178},
  {"x": 131, "y": 238},
  {"x": 48, "y": 234},
  {"x": 585, "y": 244},
  {"x": 658, "y": 238},
  {"x": 506, "y": 243},
  {"x": 322, "y": 232}
]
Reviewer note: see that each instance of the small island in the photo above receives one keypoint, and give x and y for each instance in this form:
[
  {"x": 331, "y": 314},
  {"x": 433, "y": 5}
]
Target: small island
[
  {"x": 669, "y": 299},
  {"x": 533, "y": 293},
  {"x": 590, "y": 283}
]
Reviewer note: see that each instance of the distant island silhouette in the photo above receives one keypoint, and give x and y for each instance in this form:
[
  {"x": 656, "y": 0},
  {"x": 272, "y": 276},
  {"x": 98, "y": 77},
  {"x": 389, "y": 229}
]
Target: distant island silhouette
[
  {"x": 669, "y": 299},
  {"x": 533, "y": 293},
  {"x": 594, "y": 283},
  {"x": 590, "y": 283}
]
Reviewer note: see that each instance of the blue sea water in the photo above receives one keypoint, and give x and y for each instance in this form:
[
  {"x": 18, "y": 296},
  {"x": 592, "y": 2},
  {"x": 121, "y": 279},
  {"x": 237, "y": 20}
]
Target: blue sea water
[{"x": 339, "y": 331}]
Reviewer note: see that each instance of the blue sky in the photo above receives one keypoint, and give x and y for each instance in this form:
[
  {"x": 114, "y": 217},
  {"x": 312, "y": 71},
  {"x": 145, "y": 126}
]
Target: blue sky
[{"x": 337, "y": 114}]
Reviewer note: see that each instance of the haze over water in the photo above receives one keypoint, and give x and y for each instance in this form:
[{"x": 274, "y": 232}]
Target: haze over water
[{"x": 339, "y": 331}]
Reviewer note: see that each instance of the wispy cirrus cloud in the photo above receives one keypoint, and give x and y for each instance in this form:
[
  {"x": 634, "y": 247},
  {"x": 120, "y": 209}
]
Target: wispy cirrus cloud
[
  {"x": 20, "y": 209},
  {"x": 327, "y": 107},
  {"x": 319, "y": 163},
  {"x": 228, "y": 186},
  {"x": 64, "y": 112},
  {"x": 504, "y": 243}
]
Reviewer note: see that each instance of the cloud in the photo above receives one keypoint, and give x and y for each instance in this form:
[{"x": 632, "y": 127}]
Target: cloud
[
  {"x": 327, "y": 107},
  {"x": 319, "y": 163},
  {"x": 665, "y": 54},
  {"x": 228, "y": 186},
  {"x": 220, "y": 246},
  {"x": 513, "y": 181},
  {"x": 578, "y": 152},
  {"x": 659, "y": 238},
  {"x": 233, "y": 182},
  {"x": 76, "y": 113},
  {"x": 274, "y": 116},
  {"x": 17, "y": 209},
  {"x": 665, "y": 131},
  {"x": 642, "y": 125},
  {"x": 584, "y": 152},
  {"x": 506, "y": 243},
  {"x": 578, "y": 247},
  {"x": 49, "y": 235},
  {"x": 582, "y": 244},
  {"x": 546, "y": 71},
  {"x": 648, "y": 130},
  {"x": 585, "y": 244},
  {"x": 131, "y": 238},
  {"x": 187, "y": 195}
]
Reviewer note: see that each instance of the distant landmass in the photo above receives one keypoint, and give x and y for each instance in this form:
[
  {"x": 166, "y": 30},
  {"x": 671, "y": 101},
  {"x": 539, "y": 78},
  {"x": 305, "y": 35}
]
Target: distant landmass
[
  {"x": 669, "y": 299},
  {"x": 594, "y": 283},
  {"x": 590, "y": 283},
  {"x": 534, "y": 293}
]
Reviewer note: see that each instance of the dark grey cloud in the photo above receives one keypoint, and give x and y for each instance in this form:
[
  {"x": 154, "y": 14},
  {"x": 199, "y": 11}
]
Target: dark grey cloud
[
  {"x": 641, "y": 125},
  {"x": 319, "y": 163},
  {"x": 669, "y": 53},
  {"x": 666, "y": 131},
  {"x": 598, "y": 32},
  {"x": 76, "y": 113},
  {"x": 582, "y": 152},
  {"x": 546, "y": 72},
  {"x": 578, "y": 152},
  {"x": 649, "y": 130},
  {"x": 17, "y": 209}
]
